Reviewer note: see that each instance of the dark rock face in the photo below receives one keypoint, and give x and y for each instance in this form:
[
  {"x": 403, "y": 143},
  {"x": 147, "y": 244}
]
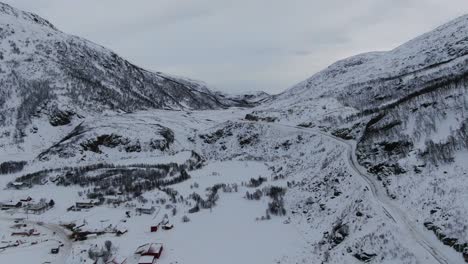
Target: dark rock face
[
  {"x": 166, "y": 142},
  {"x": 246, "y": 140},
  {"x": 364, "y": 257},
  {"x": 343, "y": 133},
  {"x": 110, "y": 141},
  {"x": 121, "y": 133},
  {"x": 339, "y": 233},
  {"x": 60, "y": 118},
  {"x": 217, "y": 135},
  {"x": 252, "y": 117}
]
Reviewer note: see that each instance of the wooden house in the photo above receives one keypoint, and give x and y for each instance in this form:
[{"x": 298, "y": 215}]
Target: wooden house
[
  {"x": 10, "y": 205},
  {"x": 147, "y": 260},
  {"x": 86, "y": 204},
  {"x": 151, "y": 249},
  {"x": 117, "y": 260},
  {"x": 38, "y": 208},
  {"x": 146, "y": 210}
]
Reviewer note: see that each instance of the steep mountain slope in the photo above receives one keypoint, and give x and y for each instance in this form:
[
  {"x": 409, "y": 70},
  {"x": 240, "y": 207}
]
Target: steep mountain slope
[
  {"x": 407, "y": 109},
  {"x": 374, "y": 79},
  {"x": 45, "y": 71},
  {"x": 52, "y": 82}
]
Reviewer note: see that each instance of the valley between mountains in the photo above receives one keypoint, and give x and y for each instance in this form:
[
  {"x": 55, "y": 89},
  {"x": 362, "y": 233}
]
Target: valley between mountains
[{"x": 102, "y": 161}]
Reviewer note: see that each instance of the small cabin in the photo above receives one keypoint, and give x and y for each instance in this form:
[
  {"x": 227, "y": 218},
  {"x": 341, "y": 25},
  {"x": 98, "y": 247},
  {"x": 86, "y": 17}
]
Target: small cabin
[
  {"x": 27, "y": 199},
  {"x": 117, "y": 260},
  {"x": 10, "y": 205},
  {"x": 152, "y": 249},
  {"x": 147, "y": 260},
  {"x": 55, "y": 250},
  {"x": 86, "y": 204},
  {"x": 18, "y": 185},
  {"x": 154, "y": 229},
  {"x": 167, "y": 226},
  {"x": 37, "y": 208}
]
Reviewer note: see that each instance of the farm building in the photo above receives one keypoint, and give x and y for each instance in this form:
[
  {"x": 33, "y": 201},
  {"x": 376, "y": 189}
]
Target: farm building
[
  {"x": 86, "y": 204},
  {"x": 147, "y": 260},
  {"x": 27, "y": 199},
  {"x": 117, "y": 260},
  {"x": 114, "y": 199},
  {"x": 121, "y": 231},
  {"x": 167, "y": 227},
  {"x": 18, "y": 185},
  {"x": 10, "y": 205},
  {"x": 38, "y": 208},
  {"x": 146, "y": 210},
  {"x": 28, "y": 233},
  {"x": 151, "y": 249}
]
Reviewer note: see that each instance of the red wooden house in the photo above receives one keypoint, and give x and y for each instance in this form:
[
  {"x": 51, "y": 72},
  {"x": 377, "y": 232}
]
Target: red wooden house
[{"x": 154, "y": 229}]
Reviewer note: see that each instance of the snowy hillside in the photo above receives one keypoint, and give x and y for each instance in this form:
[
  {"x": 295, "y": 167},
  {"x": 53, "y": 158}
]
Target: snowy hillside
[
  {"x": 406, "y": 108},
  {"x": 45, "y": 72}
]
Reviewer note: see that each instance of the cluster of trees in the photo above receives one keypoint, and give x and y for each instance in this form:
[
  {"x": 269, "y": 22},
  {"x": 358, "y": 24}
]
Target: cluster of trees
[
  {"x": 257, "y": 195},
  {"x": 104, "y": 253},
  {"x": 173, "y": 194},
  {"x": 212, "y": 196},
  {"x": 444, "y": 151},
  {"x": 422, "y": 114},
  {"x": 108, "y": 179},
  {"x": 254, "y": 183},
  {"x": 8, "y": 167},
  {"x": 34, "y": 94},
  {"x": 276, "y": 206},
  {"x": 209, "y": 202}
]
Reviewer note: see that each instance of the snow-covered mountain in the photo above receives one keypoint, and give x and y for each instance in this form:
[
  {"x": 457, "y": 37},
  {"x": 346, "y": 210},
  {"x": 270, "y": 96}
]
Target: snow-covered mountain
[
  {"x": 407, "y": 109},
  {"x": 52, "y": 81}
]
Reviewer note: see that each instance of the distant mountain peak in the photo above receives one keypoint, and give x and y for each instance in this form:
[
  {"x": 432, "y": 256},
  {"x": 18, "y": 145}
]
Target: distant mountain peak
[{"x": 7, "y": 10}]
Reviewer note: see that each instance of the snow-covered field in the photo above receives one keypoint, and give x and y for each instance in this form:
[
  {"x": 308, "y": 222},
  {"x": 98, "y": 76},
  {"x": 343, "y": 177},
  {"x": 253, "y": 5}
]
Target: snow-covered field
[{"x": 228, "y": 232}]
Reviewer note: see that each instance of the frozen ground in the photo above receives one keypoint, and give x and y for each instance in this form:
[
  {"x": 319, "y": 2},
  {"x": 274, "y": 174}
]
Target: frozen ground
[{"x": 217, "y": 234}]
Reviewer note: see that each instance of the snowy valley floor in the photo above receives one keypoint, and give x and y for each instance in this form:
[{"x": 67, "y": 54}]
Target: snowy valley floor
[{"x": 331, "y": 214}]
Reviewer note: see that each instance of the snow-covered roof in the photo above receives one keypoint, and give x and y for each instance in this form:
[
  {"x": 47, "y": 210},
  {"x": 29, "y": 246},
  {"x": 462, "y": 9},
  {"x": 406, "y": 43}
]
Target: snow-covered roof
[
  {"x": 149, "y": 248},
  {"x": 37, "y": 206},
  {"x": 88, "y": 201},
  {"x": 146, "y": 207},
  {"x": 155, "y": 248},
  {"x": 117, "y": 260},
  {"x": 146, "y": 260}
]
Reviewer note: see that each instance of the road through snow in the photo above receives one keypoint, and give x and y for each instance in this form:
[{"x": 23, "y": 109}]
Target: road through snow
[
  {"x": 440, "y": 253},
  {"x": 53, "y": 229}
]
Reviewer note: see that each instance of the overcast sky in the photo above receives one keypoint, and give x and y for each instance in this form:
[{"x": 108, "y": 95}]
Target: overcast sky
[{"x": 243, "y": 45}]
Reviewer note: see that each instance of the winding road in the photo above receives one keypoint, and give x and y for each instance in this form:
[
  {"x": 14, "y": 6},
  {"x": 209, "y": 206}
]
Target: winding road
[
  {"x": 441, "y": 253},
  {"x": 60, "y": 236}
]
